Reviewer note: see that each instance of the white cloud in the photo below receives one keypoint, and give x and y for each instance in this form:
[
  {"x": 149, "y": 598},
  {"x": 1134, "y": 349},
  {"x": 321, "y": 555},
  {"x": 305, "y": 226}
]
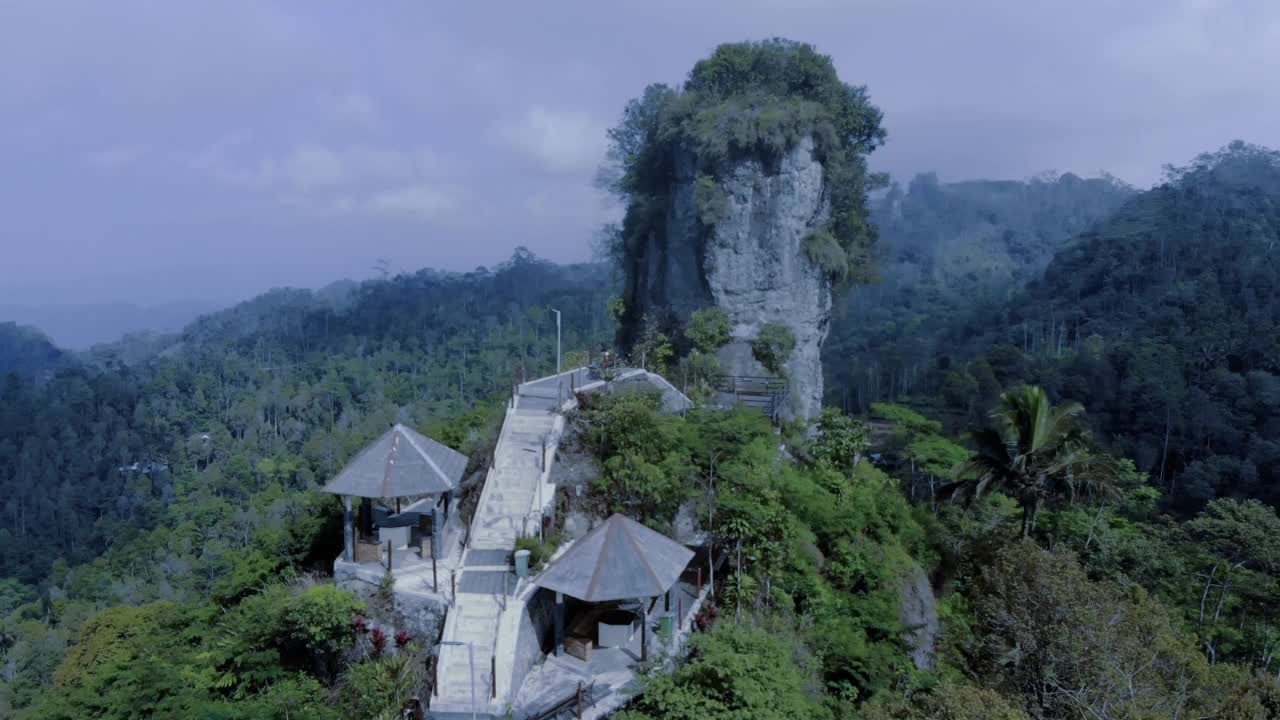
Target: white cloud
[
  {"x": 355, "y": 108},
  {"x": 310, "y": 167},
  {"x": 119, "y": 156},
  {"x": 422, "y": 201},
  {"x": 1183, "y": 49},
  {"x": 562, "y": 141},
  {"x": 324, "y": 180}
]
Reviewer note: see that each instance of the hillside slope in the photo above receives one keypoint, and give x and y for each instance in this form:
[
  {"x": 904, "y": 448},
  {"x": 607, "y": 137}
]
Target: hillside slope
[
  {"x": 948, "y": 251},
  {"x": 295, "y": 379},
  {"x": 1165, "y": 322}
]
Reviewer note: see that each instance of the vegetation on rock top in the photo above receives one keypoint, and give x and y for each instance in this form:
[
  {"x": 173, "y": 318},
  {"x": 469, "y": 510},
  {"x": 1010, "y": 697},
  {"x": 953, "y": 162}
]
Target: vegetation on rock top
[{"x": 748, "y": 101}]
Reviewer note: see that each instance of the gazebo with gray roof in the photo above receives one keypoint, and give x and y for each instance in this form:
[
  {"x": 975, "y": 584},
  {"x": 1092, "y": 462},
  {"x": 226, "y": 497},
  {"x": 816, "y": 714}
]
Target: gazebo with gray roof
[
  {"x": 402, "y": 463},
  {"x": 619, "y": 560}
]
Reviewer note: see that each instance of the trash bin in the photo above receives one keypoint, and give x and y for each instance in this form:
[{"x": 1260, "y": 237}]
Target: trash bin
[
  {"x": 664, "y": 626},
  {"x": 522, "y": 563}
]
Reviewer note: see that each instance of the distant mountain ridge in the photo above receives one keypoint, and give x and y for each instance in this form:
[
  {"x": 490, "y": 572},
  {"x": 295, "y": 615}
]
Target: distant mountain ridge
[
  {"x": 81, "y": 326},
  {"x": 24, "y": 349}
]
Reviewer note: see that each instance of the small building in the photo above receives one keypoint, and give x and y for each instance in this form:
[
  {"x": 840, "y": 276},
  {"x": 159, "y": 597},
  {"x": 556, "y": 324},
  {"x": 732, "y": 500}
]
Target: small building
[
  {"x": 613, "y": 575},
  {"x": 405, "y": 481}
]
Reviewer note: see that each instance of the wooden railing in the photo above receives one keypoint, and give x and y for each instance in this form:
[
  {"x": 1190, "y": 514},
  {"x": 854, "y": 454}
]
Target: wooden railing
[{"x": 766, "y": 393}]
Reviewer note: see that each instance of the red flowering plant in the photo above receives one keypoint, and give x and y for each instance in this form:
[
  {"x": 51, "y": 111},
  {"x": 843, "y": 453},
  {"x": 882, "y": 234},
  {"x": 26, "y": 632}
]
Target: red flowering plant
[
  {"x": 403, "y": 638},
  {"x": 706, "y": 617}
]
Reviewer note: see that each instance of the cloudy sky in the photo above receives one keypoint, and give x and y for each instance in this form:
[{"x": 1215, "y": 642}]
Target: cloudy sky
[{"x": 156, "y": 151}]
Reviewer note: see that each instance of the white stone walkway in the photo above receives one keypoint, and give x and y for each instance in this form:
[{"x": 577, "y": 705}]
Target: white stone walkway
[
  {"x": 508, "y": 509},
  {"x": 482, "y": 629}
]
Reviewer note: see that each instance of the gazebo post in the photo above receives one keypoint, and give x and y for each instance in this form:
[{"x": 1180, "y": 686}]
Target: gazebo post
[
  {"x": 348, "y": 531},
  {"x": 559, "y": 623},
  {"x": 644, "y": 632},
  {"x": 437, "y": 532}
]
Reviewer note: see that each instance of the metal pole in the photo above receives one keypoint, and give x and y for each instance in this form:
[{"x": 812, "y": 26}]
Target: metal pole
[
  {"x": 471, "y": 655},
  {"x": 557, "y": 312},
  {"x": 559, "y": 617}
]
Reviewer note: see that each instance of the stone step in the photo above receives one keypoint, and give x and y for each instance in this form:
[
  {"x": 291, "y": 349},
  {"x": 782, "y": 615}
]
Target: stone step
[{"x": 535, "y": 418}]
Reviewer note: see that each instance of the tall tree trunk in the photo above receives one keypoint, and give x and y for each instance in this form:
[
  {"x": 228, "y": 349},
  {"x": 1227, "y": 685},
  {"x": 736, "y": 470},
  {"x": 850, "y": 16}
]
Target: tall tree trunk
[{"x": 1165, "y": 455}]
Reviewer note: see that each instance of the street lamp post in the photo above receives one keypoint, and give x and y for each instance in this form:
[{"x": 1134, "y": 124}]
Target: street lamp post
[
  {"x": 471, "y": 657},
  {"x": 557, "y": 312}
]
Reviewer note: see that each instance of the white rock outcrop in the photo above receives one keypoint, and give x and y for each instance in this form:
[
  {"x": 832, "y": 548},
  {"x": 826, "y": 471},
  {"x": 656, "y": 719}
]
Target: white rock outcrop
[{"x": 752, "y": 264}]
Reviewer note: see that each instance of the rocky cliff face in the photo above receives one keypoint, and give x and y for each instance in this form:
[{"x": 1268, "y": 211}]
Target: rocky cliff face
[
  {"x": 920, "y": 617},
  {"x": 752, "y": 264}
]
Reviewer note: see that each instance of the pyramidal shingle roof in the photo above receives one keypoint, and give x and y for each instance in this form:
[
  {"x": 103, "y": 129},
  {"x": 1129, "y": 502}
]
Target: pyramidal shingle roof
[
  {"x": 620, "y": 560},
  {"x": 401, "y": 463}
]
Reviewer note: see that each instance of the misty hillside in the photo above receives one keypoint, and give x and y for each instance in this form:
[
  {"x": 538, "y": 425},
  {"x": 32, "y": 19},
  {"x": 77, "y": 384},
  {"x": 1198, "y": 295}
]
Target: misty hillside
[
  {"x": 954, "y": 238},
  {"x": 947, "y": 250},
  {"x": 81, "y": 326},
  {"x": 26, "y": 350}
]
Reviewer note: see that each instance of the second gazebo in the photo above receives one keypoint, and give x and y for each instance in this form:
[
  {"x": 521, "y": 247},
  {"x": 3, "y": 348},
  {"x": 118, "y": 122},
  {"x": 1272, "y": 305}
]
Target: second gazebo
[
  {"x": 402, "y": 463},
  {"x": 619, "y": 560}
]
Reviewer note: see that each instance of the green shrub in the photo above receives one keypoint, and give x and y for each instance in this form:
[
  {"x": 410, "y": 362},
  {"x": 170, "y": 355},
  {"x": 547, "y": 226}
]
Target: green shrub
[
  {"x": 735, "y": 672},
  {"x": 700, "y": 370},
  {"x": 379, "y": 688},
  {"x": 540, "y": 551},
  {"x": 773, "y": 346},
  {"x": 824, "y": 250},
  {"x": 709, "y": 329},
  {"x": 840, "y": 441},
  {"x": 710, "y": 200}
]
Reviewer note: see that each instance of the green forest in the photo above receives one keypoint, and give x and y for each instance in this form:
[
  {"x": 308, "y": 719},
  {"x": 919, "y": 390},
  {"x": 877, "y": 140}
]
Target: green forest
[
  {"x": 1044, "y": 485},
  {"x": 170, "y": 478}
]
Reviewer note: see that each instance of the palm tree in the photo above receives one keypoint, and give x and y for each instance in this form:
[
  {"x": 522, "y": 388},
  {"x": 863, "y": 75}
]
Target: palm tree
[{"x": 1034, "y": 451}]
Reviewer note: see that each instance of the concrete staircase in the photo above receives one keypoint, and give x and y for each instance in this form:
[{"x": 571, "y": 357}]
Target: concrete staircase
[{"x": 505, "y": 512}]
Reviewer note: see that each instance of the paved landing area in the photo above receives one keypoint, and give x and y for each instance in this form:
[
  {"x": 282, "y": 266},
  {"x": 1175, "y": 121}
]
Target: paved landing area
[
  {"x": 488, "y": 558},
  {"x": 488, "y": 582}
]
